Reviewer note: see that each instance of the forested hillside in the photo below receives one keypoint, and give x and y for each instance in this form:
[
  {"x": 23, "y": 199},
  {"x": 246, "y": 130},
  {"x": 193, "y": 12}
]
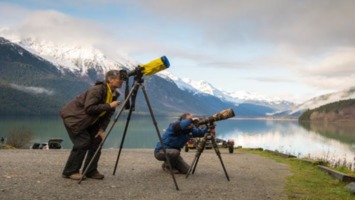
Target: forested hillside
[
  {"x": 338, "y": 111},
  {"x": 30, "y": 85}
]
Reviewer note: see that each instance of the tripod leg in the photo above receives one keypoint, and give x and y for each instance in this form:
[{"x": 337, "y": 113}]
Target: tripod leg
[
  {"x": 107, "y": 134},
  {"x": 123, "y": 138},
  {"x": 158, "y": 133},
  {"x": 191, "y": 167},
  {"x": 219, "y": 156},
  {"x": 199, "y": 150}
]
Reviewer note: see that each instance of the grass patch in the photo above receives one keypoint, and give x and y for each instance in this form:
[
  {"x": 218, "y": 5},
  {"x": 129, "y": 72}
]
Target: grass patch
[
  {"x": 6, "y": 146},
  {"x": 345, "y": 170},
  {"x": 308, "y": 181}
]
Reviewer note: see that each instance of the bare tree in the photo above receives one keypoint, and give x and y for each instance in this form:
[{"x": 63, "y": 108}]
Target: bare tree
[{"x": 19, "y": 138}]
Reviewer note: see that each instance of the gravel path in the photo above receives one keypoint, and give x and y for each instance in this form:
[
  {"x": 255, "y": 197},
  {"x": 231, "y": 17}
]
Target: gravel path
[{"x": 36, "y": 174}]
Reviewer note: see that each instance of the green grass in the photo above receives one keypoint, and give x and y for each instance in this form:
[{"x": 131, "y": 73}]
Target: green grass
[
  {"x": 344, "y": 170},
  {"x": 308, "y": 181},
  {"x": 6, "y": 146}
]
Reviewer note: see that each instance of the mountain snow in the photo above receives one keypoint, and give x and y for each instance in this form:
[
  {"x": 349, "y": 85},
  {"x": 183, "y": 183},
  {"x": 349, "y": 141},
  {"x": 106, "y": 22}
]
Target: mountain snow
[
  {"x": 236, "y": 97},
  {"x": 74, "y": 57}
]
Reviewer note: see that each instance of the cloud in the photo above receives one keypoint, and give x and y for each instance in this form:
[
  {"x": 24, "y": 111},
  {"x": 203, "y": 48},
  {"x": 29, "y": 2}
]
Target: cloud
[
  {"x": 271, "y": 79},
  {"x": 339, "y": 62},
  {"x": 229, "y": 64},
  {"x": 311, "y": 41},
  {"x": 310, "y": 24},
  {"x": 300, "y": 27},
  {"x": 330, "y": 83},
  {"x": 58, "y": 28},
  {"x": 52, "y": 25},
  {"x": 32, "y": 90},
  {"x": 55, "y": 26}
]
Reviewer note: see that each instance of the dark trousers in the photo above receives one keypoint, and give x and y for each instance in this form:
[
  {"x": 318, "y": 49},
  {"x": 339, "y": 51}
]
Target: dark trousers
[
  {"x": 176, "y": 161},
  {"x": 85, "y": 143}
]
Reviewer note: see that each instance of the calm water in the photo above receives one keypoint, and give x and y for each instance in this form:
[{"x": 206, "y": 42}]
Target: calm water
[{"x": 317, "y": 140}]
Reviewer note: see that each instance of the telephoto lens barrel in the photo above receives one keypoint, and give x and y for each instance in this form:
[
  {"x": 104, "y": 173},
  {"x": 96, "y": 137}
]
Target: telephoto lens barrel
[{"x": 224, "y": 114}]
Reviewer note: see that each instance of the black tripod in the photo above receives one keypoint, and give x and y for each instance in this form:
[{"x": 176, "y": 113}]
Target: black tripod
[
  {"x": 209, "y": 136},
  {"x": 138, "y": 81}
]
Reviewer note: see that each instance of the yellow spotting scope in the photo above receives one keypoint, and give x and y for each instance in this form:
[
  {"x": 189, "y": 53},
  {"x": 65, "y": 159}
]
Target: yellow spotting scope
[{"x": 151, "y": 68}]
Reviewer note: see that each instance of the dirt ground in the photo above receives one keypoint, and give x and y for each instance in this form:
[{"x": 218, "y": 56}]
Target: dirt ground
[{"x": 36, "y": 174}]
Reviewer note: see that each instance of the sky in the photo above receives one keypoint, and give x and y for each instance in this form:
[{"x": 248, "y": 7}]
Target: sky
[{"x": 290, "y": 49}]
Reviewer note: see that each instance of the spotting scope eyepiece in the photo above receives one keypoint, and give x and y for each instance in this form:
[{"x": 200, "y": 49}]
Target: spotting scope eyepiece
[
  {"x": 151, "y": 68},
  {"x": 224, "y": 114}
]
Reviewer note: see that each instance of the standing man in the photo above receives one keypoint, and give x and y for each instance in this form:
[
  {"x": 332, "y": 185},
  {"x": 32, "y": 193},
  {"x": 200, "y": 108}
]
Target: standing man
[
  {"x": 85, "y": 119},
  {"x": 174, "y": 138}
]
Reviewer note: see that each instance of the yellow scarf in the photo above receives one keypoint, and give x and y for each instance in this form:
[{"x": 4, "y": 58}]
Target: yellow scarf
[{"x": 109, "y": 96}]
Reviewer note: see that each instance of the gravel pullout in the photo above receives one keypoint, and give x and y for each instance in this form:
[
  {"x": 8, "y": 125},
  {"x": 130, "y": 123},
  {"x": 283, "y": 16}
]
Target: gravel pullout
[{"x": 36, "y": 174}]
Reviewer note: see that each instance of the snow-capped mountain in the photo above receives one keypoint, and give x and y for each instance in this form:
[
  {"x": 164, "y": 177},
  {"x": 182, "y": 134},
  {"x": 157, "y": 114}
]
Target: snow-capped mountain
[
  {"x": 76, "y": 58},
  {"x": 236, "y": 97},
  {"x": 85, "y": 60}
]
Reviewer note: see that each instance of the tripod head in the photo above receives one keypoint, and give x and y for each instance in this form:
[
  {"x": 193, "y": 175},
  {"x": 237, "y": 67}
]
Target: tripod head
[
  {"x": 138, "y": 72},
  {"x": 131, "y": 103},
  {"x": 211, "y": 128}
]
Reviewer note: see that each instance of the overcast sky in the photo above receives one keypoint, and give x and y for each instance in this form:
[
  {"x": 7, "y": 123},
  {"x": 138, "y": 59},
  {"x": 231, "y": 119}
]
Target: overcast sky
[{"x": 292, "y": 49}]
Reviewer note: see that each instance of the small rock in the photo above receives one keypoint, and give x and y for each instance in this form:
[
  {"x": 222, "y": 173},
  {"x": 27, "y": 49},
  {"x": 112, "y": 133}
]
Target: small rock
[{"x": 351, "y": 187}]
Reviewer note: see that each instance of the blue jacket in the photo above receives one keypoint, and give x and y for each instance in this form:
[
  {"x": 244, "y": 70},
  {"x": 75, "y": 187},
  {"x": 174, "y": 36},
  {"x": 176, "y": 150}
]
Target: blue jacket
[{"x": 178, "y": 133}]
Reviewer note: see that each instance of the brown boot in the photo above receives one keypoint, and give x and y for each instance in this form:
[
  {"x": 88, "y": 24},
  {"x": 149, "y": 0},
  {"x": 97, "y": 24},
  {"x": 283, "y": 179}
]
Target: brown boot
[
  {"x": 165, "y": 167},
  {"x": 95, "y": 175}
]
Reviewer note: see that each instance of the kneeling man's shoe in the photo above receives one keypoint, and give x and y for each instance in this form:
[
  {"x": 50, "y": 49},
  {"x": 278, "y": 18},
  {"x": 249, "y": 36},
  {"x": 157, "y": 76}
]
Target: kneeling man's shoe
[
  {"x": 166, "y": 168},
  {"x": 95, "y": 175}
]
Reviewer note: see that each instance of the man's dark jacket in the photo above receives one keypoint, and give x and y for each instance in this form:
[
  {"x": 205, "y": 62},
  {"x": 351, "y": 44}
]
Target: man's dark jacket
[{"x": 84, "y": 110}]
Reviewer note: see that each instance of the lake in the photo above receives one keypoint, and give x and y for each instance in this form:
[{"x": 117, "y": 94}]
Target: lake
[{"x": 329, "y": 141}]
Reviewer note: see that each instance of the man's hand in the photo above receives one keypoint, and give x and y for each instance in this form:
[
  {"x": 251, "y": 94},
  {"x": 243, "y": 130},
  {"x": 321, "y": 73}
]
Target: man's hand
[
  {"x": 100, "y": 134},
  {"x": 114, "y": 104},
  {"x": 195, "y": 119}
]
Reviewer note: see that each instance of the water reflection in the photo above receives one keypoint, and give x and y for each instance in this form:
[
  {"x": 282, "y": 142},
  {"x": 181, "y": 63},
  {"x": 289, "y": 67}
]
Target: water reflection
[
  {"x": 317, "y": 140},
  {"x": 141, "y": 131},
  {"x": 290, "y": 137},
  {"x": 343, "y": 131}
]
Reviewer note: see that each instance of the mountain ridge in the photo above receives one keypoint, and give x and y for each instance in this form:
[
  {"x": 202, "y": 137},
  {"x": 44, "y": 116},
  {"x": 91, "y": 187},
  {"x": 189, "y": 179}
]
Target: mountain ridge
[
  {"x": 84, "y": 59},
  {"x": 22, "y": 73}
]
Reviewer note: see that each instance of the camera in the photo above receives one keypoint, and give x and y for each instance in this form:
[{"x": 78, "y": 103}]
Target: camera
[{"x": 123, "y": 75}]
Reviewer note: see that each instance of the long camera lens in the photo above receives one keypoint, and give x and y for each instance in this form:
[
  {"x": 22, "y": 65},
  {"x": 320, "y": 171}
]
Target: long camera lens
[{"x": 224, "y": 114}]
